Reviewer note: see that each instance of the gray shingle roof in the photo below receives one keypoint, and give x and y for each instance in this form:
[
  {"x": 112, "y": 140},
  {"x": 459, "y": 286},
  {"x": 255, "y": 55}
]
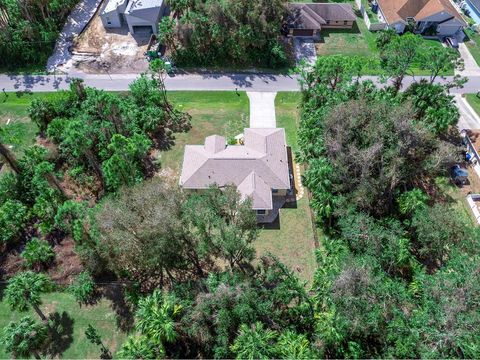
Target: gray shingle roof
[
  {"x": 255, "y": 168},
  {"x": 313, "y": 16}
]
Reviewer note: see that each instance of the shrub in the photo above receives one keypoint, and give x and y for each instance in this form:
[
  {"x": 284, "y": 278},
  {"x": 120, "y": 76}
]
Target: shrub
[
  {"x": 13, "y": 216},
  {"x": 37, "y": 253},
  {"x": 83, "y": 288}
]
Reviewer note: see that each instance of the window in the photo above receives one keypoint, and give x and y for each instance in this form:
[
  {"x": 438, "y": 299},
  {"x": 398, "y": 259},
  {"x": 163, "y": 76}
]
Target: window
[
  {"x": 345, "y": 22},
  {"x": 261, "y": 212},
  {"x": 328, "y": 22}
]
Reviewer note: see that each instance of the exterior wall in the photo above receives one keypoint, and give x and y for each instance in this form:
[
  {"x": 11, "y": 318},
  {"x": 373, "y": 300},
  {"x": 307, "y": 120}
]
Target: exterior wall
[
  {"x": 315, "y": 32},
  {"x": 134, "y": 21},
  {"x": 281, "y": 192},
  {"x": 111, "y": 19},
  {"x": 338, "y": 25}
]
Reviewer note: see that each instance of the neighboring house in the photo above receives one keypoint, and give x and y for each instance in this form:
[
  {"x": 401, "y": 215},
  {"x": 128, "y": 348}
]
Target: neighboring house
[
  {"x": 259, "y": 168},
  {"x": 437, "y": 17},
  {"x": 310, "y": 19},
  {"x": 139, "y": 15}
]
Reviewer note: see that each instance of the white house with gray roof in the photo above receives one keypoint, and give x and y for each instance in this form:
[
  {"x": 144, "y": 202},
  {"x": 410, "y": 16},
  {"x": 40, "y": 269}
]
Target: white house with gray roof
[
  {"x": 259, "y": 168},
  {"x": 138, "y": 15}
]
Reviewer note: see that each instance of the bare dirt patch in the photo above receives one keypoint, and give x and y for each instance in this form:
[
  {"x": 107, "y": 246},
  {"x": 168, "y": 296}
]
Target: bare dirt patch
[{"x": 100, "y": 50}]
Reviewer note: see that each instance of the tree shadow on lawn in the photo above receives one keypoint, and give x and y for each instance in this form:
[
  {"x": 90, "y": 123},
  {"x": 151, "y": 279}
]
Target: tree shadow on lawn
[
  {"x": 116, "y": 295},
  {"x": 60, "y": 333}
]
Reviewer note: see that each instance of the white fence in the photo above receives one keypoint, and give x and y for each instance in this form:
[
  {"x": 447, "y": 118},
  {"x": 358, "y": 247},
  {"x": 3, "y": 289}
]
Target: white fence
[{"x": 372, "y": 27}]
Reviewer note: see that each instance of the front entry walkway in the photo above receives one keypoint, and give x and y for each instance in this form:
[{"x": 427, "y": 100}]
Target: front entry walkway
[{"x": 262, "y": 110}]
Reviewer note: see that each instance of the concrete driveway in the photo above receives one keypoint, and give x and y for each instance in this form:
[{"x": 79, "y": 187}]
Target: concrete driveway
[
  {"x": 262, "y": 109},
  {"x": 471, "y": 66},
  {"x": 305, "y": 50},
  {"x": 469, "y": 119},
  {"x": 76, "y": 22}
]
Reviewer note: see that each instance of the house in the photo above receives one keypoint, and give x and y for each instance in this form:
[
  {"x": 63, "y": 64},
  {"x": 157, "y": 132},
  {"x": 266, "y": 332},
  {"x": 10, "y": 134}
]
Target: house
[
  {"x": 435, "y": 17},
  {"x": 259, "y": 168},
  {"x": 138, "y": 15},
  {"x": 310, "y": 19}
]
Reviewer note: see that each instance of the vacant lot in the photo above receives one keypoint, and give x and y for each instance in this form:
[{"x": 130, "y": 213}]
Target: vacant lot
[
  {"x": 100, "y": 50},
  {"x": 72, "y": 344}
]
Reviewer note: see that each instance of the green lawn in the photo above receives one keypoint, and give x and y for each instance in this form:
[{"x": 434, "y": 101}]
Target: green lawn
[
  {"x": 222, "y": 113},
  {"x": 474, "y": 102},
  {"x": 75, "y": 319},
  {"x": 359, "y": 41},
  {"x": 473, "y": 44},
  {"x": 20, "y": 131},
  {"x": 287, "y": 106}
]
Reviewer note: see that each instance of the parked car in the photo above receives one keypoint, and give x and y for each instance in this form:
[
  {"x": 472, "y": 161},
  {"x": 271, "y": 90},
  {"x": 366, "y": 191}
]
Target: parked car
[
  {"x": 451, "y": 42},
  {"x": 459, "y": 175}
]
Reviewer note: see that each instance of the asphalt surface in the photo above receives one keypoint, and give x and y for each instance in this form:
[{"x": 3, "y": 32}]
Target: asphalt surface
[{"x": 194, "y": 82}]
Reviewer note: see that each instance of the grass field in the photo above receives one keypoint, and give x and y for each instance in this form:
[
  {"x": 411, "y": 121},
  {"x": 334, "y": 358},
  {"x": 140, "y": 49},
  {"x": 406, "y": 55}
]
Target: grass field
[
  {"x": 221, "y": 113},
  {"x": 474, "y": 102},
  {"x": 359, "y": 41},
  {"x": 20, "y": 131},
  {"x": 75, "y": 319},
  {"x": 473, "y": 44}
]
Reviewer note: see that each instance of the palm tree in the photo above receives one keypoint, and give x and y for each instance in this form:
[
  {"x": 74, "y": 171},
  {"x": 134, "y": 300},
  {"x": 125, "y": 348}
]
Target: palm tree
[
  {"x": 254, "y": 342},
  {"x": 25, "y": 289},
  {"x": 24, "y": 338},
  {"x": 140, "y": 347},
  {"x": 156, "y": 317}
]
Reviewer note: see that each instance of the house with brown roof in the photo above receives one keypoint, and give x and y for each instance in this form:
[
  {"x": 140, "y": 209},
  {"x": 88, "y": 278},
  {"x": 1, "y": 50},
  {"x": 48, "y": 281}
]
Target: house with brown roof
[
  {"x": 259, "y": 168},
  {"x": 310, "y": 19},
  {"x": 436, "y": 17}
]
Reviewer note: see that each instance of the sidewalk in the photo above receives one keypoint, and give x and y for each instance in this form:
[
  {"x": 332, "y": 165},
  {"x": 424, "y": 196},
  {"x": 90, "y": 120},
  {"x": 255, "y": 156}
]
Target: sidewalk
[
  {"x": 469, "y": 119},
  {"x": 76, "y": 22},
  {"x": 471, "y": 66}
]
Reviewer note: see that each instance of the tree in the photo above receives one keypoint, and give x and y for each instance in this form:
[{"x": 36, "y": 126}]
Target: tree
[
  {"x": 24, "y": 338},
  {"x": 254, "y": 342},
  {"x": 225, "y": 224},
  {"x": 123, "y": 166},
  {"x": 37, "y": 253},
  {"x": 142, "y": 236},
  {"x": 399, "y": 55},
  {"x": 435, "y": 109},
  {"x": 25, "y": 289},
  {"x": 139, "y": 347},
  {"x": 92, "y": 335},
  {"x": 436, "y": 230},
  {"x": 83, "y": 287},
  {"x": 41, "y": 112},
  {"x": 156, "y": 315},
  {"x": 438, "y": 60},
  {"x": 13, "y": 217}
]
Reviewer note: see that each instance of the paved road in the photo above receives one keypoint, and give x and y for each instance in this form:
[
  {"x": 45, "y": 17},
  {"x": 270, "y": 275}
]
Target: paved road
[{"x": 205, "y": 82}]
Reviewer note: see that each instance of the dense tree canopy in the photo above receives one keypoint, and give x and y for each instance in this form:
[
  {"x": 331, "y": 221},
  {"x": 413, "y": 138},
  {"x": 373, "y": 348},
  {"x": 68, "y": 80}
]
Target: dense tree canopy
[
  {"x": 212, "y": 32},
  {"x": 29, "y": 29}
]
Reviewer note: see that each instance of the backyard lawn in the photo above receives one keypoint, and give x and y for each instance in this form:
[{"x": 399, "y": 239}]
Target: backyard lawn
[{"x": 74, "y": 319}]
